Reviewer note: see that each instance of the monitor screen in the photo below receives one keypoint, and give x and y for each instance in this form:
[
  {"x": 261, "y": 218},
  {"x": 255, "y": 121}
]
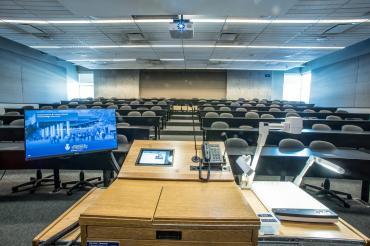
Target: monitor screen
[
  {"x": 155, "y": 157},
  {"x": 51, "y": 133}
]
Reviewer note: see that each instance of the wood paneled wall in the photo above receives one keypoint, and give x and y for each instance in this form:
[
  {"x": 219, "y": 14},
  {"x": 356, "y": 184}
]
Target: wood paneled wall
[{"x": 183, "y": 84}]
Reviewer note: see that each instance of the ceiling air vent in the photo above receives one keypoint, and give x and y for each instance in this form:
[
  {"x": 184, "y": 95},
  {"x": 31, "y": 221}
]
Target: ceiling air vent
[
  {"x": 228, "y": 37},
  {"x": 135, "y": 36}
]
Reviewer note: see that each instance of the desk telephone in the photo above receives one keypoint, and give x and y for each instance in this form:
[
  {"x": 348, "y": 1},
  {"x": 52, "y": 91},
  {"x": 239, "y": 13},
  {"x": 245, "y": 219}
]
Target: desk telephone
[
  {"x": 212, "y": 158},
  {"x": 212, "y": 154}
]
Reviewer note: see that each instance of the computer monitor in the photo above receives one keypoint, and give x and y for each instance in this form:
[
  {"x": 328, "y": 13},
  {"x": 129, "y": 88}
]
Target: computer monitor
[
  {"x": 58, "y": 133},
  {"x": 155, "y": 157}
]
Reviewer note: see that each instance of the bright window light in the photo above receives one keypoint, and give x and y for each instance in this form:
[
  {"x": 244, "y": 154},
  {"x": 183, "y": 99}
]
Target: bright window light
[
  {"x": 297, "y": 87},
  {"x": 83, "y": 88}
]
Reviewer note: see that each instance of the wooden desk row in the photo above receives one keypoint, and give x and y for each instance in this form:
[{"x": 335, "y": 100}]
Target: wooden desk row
[
  {"x": 301, "y": 114},
  {"x": 338, "y": 138},
  {"x": 307, "y": 123},
  {"x": 249, "y": 108}
]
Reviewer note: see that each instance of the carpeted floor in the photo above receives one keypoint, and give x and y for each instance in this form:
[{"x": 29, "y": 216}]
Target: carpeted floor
[{"x": 24, "y": 215}]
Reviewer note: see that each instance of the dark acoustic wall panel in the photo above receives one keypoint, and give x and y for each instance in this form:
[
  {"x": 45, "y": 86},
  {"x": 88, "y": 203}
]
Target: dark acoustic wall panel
[
  {"x": 345, "y": 83},
  {"x": 183, "y": 84}
]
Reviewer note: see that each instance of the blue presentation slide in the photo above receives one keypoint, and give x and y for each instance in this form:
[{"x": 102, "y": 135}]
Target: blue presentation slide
[{"x": 50, "y": 133}]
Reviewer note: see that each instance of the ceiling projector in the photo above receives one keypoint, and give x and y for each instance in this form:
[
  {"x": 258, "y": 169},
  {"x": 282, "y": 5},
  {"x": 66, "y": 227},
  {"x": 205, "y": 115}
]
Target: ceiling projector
[{"x": 181, "y": 29}]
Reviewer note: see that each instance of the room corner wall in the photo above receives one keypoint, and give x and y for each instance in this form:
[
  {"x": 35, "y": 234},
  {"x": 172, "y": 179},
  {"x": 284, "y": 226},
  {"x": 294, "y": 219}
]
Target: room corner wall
[
  {"x": 116, "y": 83},
  {"x": 30, "y": 76},
  {"x": 344, "y": 84}
]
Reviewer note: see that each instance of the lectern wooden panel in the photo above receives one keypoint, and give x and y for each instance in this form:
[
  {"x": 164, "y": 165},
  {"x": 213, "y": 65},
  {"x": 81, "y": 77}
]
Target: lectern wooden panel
[{"x": 136, "y": 212}]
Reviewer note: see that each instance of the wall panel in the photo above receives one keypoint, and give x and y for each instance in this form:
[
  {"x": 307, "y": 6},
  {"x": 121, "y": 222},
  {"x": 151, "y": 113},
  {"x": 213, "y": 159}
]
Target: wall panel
[
  {"x": 116, "y": 83},
  {"x": 183, "y": 84}
]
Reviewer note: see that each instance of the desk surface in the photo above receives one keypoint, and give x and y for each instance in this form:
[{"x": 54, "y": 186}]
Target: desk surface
[
  {"x": 150, "y": 203},
  {"x": 341, "y": 230},
  {"x": 180, "y": 170},
  {"x": 339, "y": 153}
]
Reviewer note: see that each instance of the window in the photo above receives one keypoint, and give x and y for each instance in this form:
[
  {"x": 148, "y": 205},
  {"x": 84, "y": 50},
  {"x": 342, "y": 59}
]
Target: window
[
  {"x": 297, "y": 87},
  {"x": 86, "y": 85},
  {"x": 82, "y": 88}
]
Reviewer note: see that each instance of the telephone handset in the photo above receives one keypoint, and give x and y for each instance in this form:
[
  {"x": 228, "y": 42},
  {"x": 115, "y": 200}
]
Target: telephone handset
[{"x": 212, "y": 156}]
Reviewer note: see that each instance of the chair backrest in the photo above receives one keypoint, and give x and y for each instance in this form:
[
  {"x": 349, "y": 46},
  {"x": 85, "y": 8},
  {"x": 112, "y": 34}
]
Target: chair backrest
[
  {"x": 267, "y": 116},
  {"x": 134, "y": 113},
  {"x": 333, "y": 117},
  {"x": 148, "y": 103},
  {"x": 226, "y": 115},
  {"x": 1, "y": 122},
  {"x": 121, "y": 101},
  {"x": 287, "y": 106},
  {"x": 125, "y": 107},
  {"x": 289, "y": 110},
  {"x": 309, "y": 111},
  {"x": 247, "y": 105},
  {"x": 221, "y": 104},
  {"x": 219, "y": 125},
  {"x": 351, "y": 128},
  {"x": 148, "y": 113},
  {"x": 325, "y": 111},
  {"x": 207, "y": 104},
  {"x": 46, "y": 107},
  {"x": 113, "y": 107},
  {"x": 274, "y": 105},
  {"x": 341, "y": 111},
  {"x": 96, "y": 107},
  {"x": 274, "y": 110},
  {"x": 236, "y": 146},
  {"x": 81, "y": 107},
  {"x": 123, "y": 124},
  {"x": 252, "y": 115},
  {"x": 225, "y": 109},
  {"x": 156, "y": 108},
  {"x": 292, "y": 114},
  {"x": 319, "y": 145},
  {"x": 291, "y": 144},
  {"x": 241, "y": 110},
  {"x": 209, "y": 108},
  {"x": 63, "y": 107},
  {"x": 28, "y": 107},
  {"x": 12, "y": 113},
  {"x": 135, "y": 102},
  {"x": 142, "y": 108},
  {"x": 109, "y": 103},
  {"x": 260, "y": 105},
  {"x": 211, "y": 115},
  {"x": 245, "y": 127},
  {"x": 235, "y": 104},
  {"x": 321, "y": 127},
  {"x": 19, "y": 122},
  {"x": 97, "y": 103},
  {"x": 122, "y": 139}
]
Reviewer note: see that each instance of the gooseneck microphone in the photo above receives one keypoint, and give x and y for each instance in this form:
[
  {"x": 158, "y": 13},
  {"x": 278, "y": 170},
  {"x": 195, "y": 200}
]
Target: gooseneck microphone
[
  {"x": 195, "y": 158},
  {"x": 224, "y": 139}
]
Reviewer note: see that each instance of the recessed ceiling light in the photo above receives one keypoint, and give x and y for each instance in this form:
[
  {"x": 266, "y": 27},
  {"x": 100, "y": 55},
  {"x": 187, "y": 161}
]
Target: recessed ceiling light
[
  {"x": 256, "y": 60},
  {"x": 184, "y": 46},
  {"x": 172, "y": 59},
  {"x": 101, "y": 60},
  {"x": 205, "y": 20}
]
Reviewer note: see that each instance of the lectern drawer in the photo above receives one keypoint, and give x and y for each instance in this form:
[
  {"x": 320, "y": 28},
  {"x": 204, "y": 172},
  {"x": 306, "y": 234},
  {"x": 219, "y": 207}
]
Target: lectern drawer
[{"x": 170, "y": 234}]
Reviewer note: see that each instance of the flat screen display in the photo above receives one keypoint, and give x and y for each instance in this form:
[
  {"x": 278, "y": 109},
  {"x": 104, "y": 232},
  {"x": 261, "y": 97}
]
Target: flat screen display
[
  {"x": 155, "y": 157},
  {"x": 51, "y": 133}
]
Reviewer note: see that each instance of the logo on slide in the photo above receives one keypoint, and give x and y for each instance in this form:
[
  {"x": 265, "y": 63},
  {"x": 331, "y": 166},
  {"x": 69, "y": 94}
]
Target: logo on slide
[{"x": 67, "y": 147}]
